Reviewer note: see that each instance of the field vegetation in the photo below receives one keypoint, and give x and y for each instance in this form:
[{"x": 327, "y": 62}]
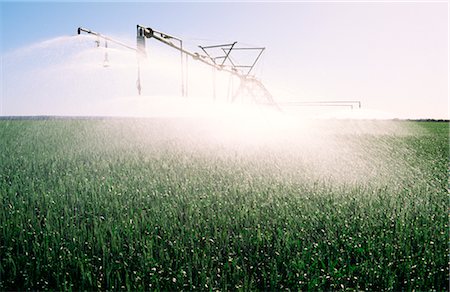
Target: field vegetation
[{"x": 172, "y": 204}]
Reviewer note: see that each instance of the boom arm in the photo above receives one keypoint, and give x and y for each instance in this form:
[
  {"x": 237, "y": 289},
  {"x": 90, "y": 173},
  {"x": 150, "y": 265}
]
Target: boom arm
[
  {"x": 106, "y": 38},
  {"x": 164, "y": 38}
]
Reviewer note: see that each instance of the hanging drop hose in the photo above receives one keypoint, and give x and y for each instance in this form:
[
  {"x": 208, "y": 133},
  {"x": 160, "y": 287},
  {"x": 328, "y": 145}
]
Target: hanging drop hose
[
  {"x": 214, "y": 83},
  {"x": 182, "y": 70},
  {"x": 106, "y": 61},
  {"x": 138, "y": 81},
  {"x": 186, "y": 77}
]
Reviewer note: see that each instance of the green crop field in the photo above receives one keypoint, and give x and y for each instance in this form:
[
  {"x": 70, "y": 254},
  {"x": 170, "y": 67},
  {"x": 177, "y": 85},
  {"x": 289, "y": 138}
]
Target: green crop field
[{"x": 172, "y": 204}]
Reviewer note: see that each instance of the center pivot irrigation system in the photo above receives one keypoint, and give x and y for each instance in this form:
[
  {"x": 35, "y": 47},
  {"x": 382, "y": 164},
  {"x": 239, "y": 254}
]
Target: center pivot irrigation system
[{"x": 249, "y": 85}]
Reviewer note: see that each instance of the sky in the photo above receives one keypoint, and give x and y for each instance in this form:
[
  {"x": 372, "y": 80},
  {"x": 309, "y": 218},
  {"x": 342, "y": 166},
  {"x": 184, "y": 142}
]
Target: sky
[{"x": 392, "y": 56}]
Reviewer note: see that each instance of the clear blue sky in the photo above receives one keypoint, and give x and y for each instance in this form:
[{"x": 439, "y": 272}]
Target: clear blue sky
[{"x": 392, "y": 56}]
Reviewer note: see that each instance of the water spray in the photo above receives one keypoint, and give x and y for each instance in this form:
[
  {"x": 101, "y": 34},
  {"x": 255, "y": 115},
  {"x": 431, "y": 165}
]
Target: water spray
[{"x": 140, "y": 50}]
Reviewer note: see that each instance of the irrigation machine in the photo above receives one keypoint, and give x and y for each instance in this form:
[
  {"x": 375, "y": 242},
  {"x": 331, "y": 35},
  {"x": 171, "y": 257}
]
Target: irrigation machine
[{"x": 220, "y": 58}]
